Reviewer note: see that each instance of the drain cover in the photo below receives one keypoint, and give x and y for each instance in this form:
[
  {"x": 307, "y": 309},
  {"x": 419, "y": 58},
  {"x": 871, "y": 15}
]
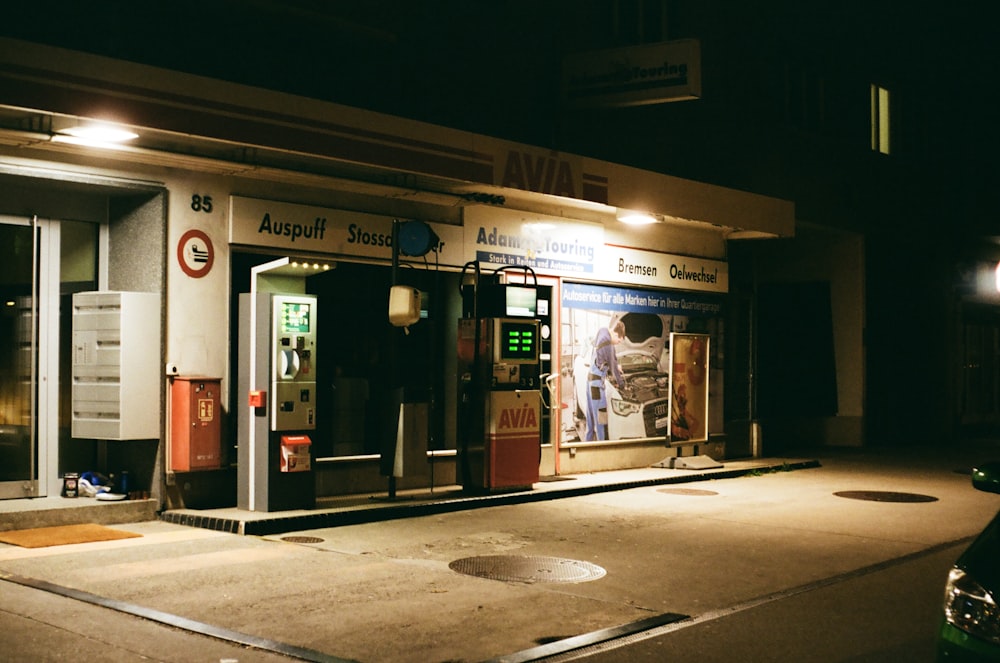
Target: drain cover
[
  {"x": 687, "y": 491},
  {"x": 884, "y": 496},
  {"x": 302, "y": 539},
  {"x": 526, "y": 568}
]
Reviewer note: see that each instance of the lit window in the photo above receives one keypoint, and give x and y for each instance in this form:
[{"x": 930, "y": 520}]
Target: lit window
[{"x": 880, "y": 119}]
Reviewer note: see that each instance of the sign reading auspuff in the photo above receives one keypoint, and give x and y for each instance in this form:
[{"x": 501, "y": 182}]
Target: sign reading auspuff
[
  {"x": 292, "y": 227},
  {"x": 650, "y": 74}
]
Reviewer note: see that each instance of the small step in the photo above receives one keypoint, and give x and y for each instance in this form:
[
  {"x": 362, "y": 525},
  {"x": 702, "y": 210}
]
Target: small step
[{"x": 48, "y": 512}]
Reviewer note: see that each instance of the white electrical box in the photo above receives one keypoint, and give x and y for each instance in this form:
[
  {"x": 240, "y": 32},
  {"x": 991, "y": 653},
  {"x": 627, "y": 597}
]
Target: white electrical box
[{"x": 116, "y": 365}]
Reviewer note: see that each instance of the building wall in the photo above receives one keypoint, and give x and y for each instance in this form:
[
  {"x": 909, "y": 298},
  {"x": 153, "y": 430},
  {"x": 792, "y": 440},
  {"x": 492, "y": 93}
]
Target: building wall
[
  {"x": 836, "y": 258},
  {"x": 194, "y": 194}
]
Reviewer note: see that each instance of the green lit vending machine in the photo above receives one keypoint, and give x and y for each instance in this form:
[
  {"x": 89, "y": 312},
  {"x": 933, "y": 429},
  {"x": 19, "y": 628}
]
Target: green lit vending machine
[{"x": 276, "y": 419}]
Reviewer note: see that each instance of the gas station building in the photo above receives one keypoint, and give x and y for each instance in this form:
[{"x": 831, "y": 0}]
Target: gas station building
[{"x": 123, "y": 267}]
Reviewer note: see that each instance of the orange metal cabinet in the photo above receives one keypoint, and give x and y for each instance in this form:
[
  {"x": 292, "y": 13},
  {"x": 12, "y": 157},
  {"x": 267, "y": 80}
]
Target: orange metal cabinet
[{"x": 195, "y": 424}]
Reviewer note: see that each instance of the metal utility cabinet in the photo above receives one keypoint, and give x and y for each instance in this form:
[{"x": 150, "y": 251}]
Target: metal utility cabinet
[
  {"x": 195, "y": 424},
  {"x": 116, "y": 365}
]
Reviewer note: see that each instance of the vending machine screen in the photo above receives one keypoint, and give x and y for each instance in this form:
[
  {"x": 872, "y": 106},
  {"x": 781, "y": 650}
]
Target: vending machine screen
[
  {"x": 520, "y": 301},
  {"x": 294, "y": 318},
  {"x": 518, "y": 341}
]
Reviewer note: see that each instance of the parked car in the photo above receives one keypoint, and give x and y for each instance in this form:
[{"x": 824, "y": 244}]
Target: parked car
[
  {"x": 640, "y": 407},
  {"x": 970, "y": 624}
]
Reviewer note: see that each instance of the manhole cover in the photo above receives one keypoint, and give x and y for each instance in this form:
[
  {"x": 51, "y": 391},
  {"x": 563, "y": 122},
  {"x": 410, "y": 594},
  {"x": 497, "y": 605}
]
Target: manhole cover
[
  {"x": 526, "y": 568},
  {"x": 687, "y": 491},
  {"x": 302, "y": 539},
  {"x": 884, "y": 496}
]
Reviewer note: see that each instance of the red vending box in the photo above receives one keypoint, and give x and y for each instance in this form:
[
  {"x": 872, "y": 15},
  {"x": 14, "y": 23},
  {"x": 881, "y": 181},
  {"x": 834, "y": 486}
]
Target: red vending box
[{"x": 195, "y": 424}]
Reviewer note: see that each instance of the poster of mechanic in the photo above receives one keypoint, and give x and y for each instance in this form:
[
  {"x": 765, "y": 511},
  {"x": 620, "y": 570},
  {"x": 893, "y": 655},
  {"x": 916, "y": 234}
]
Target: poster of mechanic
[{"x": 615, "y": 359}]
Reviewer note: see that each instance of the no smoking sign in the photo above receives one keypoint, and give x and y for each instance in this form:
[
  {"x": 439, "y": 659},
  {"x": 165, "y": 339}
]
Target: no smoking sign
[{"x": 195, "y": 253}]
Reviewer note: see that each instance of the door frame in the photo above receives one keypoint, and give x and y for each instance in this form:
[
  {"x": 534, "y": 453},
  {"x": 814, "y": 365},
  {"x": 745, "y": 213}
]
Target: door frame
[{"x": 45, "y": 365}]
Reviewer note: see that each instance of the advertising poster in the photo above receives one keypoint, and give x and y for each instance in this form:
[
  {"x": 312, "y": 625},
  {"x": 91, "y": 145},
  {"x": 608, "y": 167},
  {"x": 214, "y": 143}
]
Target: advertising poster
[
  {"x": 689, "y": 387},
  {"x": 615, "y": 359}
]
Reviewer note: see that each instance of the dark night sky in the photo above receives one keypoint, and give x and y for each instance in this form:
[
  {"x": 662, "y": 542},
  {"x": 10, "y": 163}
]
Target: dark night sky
[{"x": 474, "y": 65}]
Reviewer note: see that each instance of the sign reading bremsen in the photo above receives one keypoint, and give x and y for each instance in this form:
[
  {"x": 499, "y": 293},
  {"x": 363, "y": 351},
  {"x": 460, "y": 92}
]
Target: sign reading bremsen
[{"x": 663, "y": 270}]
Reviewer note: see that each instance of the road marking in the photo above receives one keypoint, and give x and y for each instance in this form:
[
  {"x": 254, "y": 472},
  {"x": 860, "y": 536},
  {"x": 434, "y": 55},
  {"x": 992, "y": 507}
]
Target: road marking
[{"x": 176, "y": 621}]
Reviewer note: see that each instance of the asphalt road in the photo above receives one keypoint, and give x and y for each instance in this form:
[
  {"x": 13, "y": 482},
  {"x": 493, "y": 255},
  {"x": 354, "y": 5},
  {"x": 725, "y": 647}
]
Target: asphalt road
[
  {"x": 886, "y": 613},
  {"x": 767, "y": 568}
]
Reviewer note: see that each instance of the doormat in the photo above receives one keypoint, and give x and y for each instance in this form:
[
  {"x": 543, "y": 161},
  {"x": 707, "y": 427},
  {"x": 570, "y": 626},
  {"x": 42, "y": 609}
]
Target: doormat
[{"x": 62, "y": 535}]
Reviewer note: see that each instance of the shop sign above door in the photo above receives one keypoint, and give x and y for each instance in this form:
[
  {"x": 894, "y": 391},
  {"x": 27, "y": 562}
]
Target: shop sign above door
[
  {"x": 293, "y": 227},
  {"x": 663, "y": 270},
  {"x": 509, "y": 238}
]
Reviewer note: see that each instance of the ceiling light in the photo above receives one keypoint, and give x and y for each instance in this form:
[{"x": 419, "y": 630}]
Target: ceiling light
[
  {"x": 96, "y": 135},
  {"x": 635, "y": 218}
]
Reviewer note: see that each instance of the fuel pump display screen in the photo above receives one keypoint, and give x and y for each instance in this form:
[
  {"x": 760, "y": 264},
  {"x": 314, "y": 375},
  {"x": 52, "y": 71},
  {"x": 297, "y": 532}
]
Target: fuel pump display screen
[
  {"x": 518, "y": 340},
  {"x": 294, "y": 318}
]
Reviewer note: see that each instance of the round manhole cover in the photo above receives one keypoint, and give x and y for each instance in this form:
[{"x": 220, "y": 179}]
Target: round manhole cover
[
  {"x": 302, "y": 539},
  {"x": 884, "y": 496},
  {"x": 526, "y": 568},
  {"x": 687, "y": 491}
]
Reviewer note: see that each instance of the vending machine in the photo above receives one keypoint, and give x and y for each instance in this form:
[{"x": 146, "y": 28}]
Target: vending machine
[
  {"x": 277, "y": 379},
  {"x": 499, "y": 411}
]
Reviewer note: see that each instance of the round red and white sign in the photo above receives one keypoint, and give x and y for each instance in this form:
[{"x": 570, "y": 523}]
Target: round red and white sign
[{"x": 195, "y": 253}]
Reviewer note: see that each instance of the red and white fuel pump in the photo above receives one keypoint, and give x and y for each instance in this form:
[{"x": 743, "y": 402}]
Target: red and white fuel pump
[{"x": 500, "y": 381}]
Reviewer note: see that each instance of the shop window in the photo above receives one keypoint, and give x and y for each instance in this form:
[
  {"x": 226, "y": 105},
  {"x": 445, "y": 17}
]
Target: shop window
[{"x": 597, "y": 407}]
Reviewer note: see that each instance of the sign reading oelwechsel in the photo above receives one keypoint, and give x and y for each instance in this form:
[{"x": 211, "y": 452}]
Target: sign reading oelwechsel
[{"x": 634, "y": 76}]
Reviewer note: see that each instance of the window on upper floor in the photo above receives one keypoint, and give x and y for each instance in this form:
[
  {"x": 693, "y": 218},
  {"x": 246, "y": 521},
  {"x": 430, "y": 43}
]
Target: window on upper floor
[
  {"x": 630, "y": 22},
  {"x": 880, "y": 116},
  {"x": 805, "y": 97}
]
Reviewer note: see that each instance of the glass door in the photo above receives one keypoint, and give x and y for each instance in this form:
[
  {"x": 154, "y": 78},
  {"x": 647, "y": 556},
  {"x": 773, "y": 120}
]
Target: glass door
[{"x": 24, "y": 378}]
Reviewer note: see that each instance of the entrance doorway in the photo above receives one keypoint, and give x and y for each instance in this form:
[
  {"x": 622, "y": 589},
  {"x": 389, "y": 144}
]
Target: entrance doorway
[{"x": 35, "y": 274}]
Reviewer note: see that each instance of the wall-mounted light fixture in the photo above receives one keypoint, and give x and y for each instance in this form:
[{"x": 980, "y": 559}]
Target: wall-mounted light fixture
[
  {"x": 97, "y": 134},
  {"x": 310, "y": 266},
  {"x": 635, "y": 218}
]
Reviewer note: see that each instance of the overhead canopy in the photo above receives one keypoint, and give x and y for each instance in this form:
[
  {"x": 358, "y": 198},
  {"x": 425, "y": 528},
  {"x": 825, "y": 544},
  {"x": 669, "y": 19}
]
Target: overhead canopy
[{"x": 203, "y": 124}]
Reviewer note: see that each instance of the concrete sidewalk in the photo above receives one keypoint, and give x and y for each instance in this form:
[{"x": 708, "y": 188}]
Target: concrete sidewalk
[
  {"x": 375, "y": 507},
  {"x": 398, "y": 590},
  {"x": 354, "y": 509}
]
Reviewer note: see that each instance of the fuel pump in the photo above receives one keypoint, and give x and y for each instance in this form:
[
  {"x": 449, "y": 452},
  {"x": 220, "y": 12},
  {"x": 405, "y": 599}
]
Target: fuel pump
[
  {"x": 500, "y": 407},
  {"x": 278, "y": 378}
]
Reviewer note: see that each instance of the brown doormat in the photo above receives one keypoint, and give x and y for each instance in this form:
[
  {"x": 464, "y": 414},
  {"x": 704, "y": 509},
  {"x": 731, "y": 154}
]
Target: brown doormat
[{"x": 62, "y": 535}]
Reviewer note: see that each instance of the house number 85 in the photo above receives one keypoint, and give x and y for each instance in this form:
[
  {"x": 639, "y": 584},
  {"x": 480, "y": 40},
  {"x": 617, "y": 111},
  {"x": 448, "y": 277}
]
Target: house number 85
[{"x": 201, "y": 203}]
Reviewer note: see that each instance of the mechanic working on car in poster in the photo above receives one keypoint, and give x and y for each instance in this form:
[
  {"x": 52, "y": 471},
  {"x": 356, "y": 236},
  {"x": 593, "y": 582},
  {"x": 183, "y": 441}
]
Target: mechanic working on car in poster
[{"x": 603, "y": 364}]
